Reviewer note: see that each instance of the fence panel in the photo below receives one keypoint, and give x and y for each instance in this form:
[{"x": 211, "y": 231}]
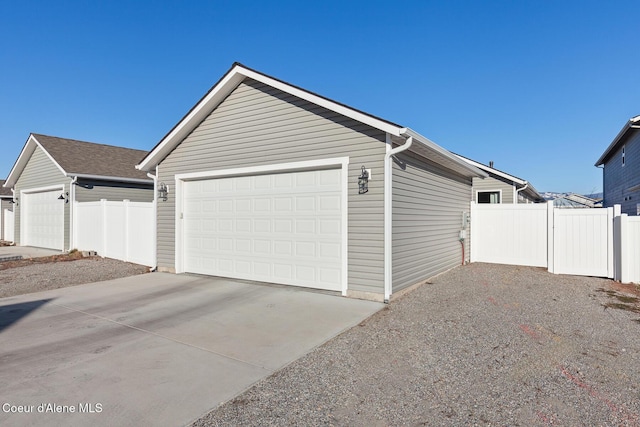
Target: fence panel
[
  {"x": 509, "y": 234},
  {"x": 8, "y": 225},
  {"x": 627, "y": 231},
  {"x": 141, "y": 234},
  {"x": 582, "y": 240},
  {"x": 120, "y": 230}
]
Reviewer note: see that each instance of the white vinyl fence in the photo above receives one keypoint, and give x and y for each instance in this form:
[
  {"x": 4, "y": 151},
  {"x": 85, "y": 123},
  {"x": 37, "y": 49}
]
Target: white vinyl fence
[
  {"x": 627, "y": 237},
  {"x": 7, "y": 229},
  {"x": 513, "y": 234},
  {"x": 588, "y": 242},
  {"x": 120, "y": 230}
]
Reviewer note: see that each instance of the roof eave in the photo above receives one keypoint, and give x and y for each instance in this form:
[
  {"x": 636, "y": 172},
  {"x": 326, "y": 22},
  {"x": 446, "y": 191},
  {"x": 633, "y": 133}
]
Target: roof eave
[
  {"x": 110, "y": 178},
  {"x": 627, "y": 126},
  {"x": 224, "y": 87},
  {"x": 458, "y": 166},
  {"x": 23, "y": 159}
]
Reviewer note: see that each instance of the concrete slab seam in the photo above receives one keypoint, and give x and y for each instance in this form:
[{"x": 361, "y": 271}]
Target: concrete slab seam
[{"x": 161, "y": 336}]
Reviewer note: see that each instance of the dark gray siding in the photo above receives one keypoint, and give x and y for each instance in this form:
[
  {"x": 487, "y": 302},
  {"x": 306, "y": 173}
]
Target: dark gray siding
[
  {"x": 40, "y": 172},
  {"x": 260, "y": 125},
  {"x": 95, "y": 190},
  {"x": 493, "y": 183},
  {"x": 618, "y": 180},
  {"x": 428, "y": 203}
]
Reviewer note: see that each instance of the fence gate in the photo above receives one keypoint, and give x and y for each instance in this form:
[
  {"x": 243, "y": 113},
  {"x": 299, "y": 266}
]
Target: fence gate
[{"x": 583, "y": 242}]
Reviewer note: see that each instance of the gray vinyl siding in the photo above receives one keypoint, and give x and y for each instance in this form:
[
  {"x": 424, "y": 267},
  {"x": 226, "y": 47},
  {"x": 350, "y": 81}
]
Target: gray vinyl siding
[
  {"x": 95, "y": 190},
  {"x": 493, "y": 183},
  {"x": 40, "y": 172},
  {"x": 617, "y": 180},
  {"x": 428, "y": 203},
  {"x": 4, "y": 204},
  {"x": 259, "y": 125}
]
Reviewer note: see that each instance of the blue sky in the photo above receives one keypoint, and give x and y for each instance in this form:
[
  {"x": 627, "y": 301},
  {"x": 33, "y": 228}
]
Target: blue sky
[{"x": 539, "y": 87}]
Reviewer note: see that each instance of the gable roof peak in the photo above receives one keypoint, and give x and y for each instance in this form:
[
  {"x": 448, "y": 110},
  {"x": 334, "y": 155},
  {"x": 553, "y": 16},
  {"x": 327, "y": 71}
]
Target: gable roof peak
[{"x": 83, "y": 159}]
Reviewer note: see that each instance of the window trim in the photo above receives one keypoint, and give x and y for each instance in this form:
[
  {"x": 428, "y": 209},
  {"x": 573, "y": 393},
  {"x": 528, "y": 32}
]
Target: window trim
[{"x": 499, "y": 192}]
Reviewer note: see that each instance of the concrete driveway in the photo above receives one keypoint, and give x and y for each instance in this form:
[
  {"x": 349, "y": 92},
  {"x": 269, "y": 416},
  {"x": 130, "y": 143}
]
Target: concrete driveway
[
  {"x": 10, "y": 253},
  {"x": 154, "y": 349}
]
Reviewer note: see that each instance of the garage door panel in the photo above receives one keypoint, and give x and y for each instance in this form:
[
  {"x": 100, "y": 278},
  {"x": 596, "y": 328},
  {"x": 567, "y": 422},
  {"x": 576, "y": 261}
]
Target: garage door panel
[
  {"x": 43, "y": 219},
  {"x": 281, "y": 228}
]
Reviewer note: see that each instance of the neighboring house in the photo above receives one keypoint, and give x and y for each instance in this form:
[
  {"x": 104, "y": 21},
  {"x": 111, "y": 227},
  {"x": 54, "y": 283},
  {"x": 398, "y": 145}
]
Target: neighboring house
[
  {"x": 501, "y": 187},
  {"x": 51, "y": 174},
  {"x": 621, "y": 169},
  {"x": 265, "y": 182},
  {"x": 6, "y": 199},
  {"x": 576, "y": 201}
]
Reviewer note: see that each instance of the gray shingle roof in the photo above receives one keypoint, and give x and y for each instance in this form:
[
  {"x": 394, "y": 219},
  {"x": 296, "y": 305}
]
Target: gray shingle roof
[
  {"x": 4, "y": 191},
  {"x": 88, "y": 158}
]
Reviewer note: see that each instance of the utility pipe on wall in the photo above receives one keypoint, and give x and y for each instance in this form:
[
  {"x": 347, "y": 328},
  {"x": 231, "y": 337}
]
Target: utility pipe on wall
[{"x": 388, "y": 212}]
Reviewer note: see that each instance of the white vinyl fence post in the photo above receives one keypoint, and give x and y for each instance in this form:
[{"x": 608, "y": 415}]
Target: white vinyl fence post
[
  {"x": 550, "y": 242},
  {"x": 612, "y": 214},
  {"x": 103, "y": 213}
]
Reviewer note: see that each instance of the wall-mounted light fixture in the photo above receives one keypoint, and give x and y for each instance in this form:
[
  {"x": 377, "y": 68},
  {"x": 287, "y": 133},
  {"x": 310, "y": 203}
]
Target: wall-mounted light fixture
[
  {"x": 64, "y": 196},
  {"x": 363, "y": 181},
  {"x": 163, "y": 191}
]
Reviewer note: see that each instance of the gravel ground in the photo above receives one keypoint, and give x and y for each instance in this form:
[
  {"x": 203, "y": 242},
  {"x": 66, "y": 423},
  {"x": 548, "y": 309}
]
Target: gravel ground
[
  {"x": 38, "y": 276},
  {"x": 481, "y": 345}
]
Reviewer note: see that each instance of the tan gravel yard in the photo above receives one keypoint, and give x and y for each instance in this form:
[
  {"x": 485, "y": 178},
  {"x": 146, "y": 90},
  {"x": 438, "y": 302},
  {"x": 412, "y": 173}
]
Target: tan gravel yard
[
  {"x": 59, "y": 271},
  {"x": 481, "y": 345}
]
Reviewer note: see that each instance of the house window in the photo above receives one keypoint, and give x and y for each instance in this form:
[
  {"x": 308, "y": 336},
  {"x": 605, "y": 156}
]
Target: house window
[
  {"x": 488, "y": 197},
  {"x": 623, "y": 159}
]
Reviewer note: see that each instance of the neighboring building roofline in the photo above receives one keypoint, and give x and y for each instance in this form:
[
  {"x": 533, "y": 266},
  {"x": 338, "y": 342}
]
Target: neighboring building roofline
[
  {"x": 632, "y": 123},
  {"x": 110, "y": 178},
  {"x": 33, "y": 143},
  {"x": 517, "y": 181},
  {"x": 236, "y": 74}
]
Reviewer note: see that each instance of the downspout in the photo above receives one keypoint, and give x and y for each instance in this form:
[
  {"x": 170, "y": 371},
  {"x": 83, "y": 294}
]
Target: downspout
[
  {"x": 72, "y": 200},
  {"x": 155, "y": 217},
  {"x": 526, "y": 184},
  {"x": 388, "y": 199}
]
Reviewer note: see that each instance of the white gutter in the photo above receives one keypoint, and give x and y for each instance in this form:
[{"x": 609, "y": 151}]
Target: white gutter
[
  {"x": 155, "y": 217},
  {"x": 72, "y": 225},
  {"x": 110, "y": 178},
  {"x": 526, "y": 184},
  {"x": 388, "y": 212}
]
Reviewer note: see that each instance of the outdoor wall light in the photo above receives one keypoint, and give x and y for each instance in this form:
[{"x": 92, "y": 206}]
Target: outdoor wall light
[
  {"x": 163, "y": 191},
  {"x": 64, "y": 196},
  {"x": 363, "y": 181}
]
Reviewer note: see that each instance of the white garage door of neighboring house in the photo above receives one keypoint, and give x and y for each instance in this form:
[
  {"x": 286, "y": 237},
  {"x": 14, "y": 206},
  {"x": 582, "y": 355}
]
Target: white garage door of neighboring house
[
  {"x": 43, "y": 220},
  {"x": 281, "y": 228}
]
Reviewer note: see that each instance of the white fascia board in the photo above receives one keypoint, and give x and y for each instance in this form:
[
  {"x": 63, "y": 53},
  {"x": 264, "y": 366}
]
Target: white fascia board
[
  {"x": 110, "y": 178},
  {"x": 323, "y": 102},
  {"x": 223, "y": 88},
  {"x": 191, "y": 120},
  {"x": 629, "y": 125},
  {"x": 493, "y": 171},
  {"x": 444, "y": 152},
  {"x": 23, "y": 159}
]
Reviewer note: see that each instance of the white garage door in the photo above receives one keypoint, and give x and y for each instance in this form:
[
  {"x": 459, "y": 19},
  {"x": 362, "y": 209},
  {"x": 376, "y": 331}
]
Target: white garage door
[
  {"x": 43, "y": 215},
  {"x": 280, "y": 228}
]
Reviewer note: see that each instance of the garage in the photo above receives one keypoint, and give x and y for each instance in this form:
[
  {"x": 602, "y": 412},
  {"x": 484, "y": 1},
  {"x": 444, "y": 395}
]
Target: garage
[
  {"x": 43, "y": 217},
  {"x": 283, "y": 228}
]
